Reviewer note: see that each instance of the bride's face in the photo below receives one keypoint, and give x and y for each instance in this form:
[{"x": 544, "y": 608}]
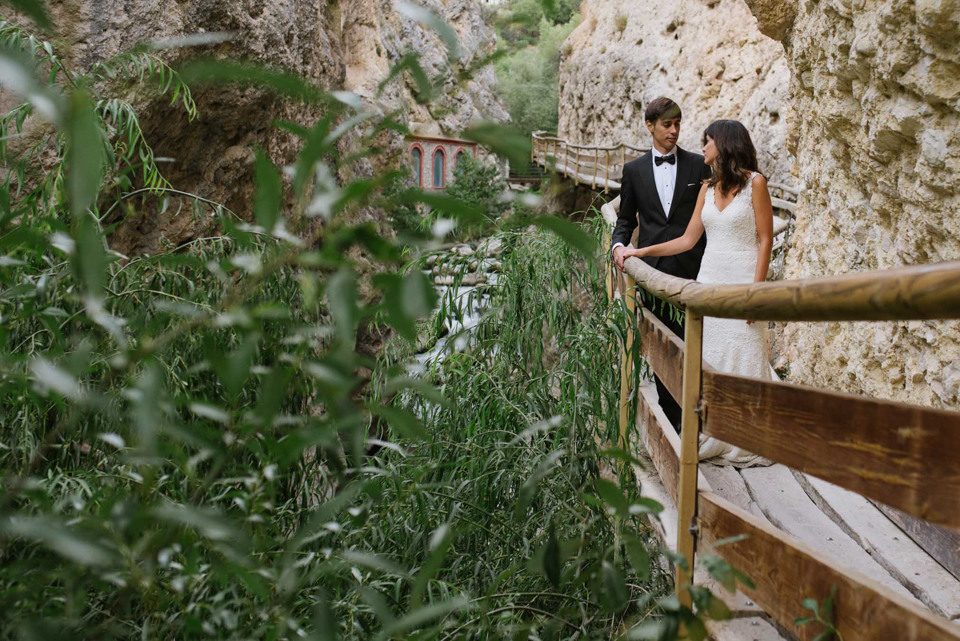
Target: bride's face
[{"x": 709, "y": 151}]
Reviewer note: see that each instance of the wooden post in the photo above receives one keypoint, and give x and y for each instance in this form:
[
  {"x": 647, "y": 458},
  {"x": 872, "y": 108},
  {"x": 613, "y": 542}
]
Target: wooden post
[
  {"x": 689, "y": 450},
  {"x": 606, "y": 171},
  {"x": 610, "y": 266},
  {"x": 623, "y": 156},
  {"x": 626, "y": 365},
  {"x": 596, "y": 165},
  {"x": 576, "y": 167}
]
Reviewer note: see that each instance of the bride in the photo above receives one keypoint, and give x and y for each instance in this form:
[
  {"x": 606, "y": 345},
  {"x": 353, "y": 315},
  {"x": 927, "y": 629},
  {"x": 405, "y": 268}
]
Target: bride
[{"x": 735, "y": 211}]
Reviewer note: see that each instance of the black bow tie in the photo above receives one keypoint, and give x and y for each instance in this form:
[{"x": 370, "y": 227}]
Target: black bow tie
[{"x": 670, "y": 160}]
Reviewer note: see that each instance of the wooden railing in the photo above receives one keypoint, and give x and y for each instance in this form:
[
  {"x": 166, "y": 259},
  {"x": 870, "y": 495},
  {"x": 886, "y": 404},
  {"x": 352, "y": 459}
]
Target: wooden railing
[
  {"x": 902, "y": 455},
  {"x": 593, "y": 165},
  {"x": 601, "y": 167}
]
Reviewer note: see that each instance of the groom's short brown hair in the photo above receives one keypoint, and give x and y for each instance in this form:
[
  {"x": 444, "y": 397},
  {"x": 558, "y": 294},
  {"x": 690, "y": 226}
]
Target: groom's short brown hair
[{"x": 661, "y": 107}]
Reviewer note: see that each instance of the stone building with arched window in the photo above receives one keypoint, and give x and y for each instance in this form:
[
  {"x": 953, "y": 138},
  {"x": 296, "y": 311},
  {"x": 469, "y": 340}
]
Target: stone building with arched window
[{"x": 434, "y": 160}]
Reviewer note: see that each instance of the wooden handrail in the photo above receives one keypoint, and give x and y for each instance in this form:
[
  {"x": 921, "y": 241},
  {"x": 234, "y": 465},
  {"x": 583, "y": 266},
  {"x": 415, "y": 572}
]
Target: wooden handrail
[
  {"x": 907, "y": 293},
  {"x": 785, "y": 188},
  {"x": 880, "y": 449},
  {"x": 541, "y": 146}
]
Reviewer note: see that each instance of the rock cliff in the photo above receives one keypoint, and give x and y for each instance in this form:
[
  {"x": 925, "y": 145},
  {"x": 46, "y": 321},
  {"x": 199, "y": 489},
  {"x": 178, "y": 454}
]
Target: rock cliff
[
  {"x": 708, "y": 55},
  {"x": 875, "y": 95},
  {"x": 349, "y": 45}
]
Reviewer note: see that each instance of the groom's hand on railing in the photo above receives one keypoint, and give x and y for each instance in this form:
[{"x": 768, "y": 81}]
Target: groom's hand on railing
[{"x": 619, "y": 255}]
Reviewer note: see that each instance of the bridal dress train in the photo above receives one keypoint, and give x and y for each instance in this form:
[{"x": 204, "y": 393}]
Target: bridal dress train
[{"x": 731, "y": 345}]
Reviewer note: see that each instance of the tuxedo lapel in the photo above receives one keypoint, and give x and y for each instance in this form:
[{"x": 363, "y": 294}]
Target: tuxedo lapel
[
  {"x": 650, "y": 184},
  {"x": 684, "y": 166}
]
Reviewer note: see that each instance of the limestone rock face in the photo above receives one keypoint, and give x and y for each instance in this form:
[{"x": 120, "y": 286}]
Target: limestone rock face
[
  {"x": 350, "y": 45},
  {"x": 708, "y": 55},
  {"x": 875, "y": 96},
  {"x": 378, "y": 36}
]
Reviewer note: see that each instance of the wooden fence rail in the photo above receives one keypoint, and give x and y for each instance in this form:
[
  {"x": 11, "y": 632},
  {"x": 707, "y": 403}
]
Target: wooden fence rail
[
  {"x": 901, "y": 455},
  {"x": 601, "y": 167}
]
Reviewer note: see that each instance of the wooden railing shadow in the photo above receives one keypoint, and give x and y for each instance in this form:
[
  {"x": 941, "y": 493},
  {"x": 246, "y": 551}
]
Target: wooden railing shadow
[{"x": 903, "y": 456}]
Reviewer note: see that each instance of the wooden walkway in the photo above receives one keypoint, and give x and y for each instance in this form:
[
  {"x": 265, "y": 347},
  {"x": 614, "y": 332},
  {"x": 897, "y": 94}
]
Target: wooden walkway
[
  {"x": 601, "y": 167},
  {"x": 913, "y": 566},
  {"x": 833, "y": 521}
]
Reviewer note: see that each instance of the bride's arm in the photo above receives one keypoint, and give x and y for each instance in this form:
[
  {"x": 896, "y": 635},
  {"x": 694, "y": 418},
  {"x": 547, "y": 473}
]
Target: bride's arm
[
  {"x": 763, "y": 209},
  {"x": 678, "y": 245}
]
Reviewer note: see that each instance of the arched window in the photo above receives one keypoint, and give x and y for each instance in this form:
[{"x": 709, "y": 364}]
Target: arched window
[
  {"x": 458, "y": 159},
  {"x": 416, "y": 159},
  {"x": 439, "y": 167}
]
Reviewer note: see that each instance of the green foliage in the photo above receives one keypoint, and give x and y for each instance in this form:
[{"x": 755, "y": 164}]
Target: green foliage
[
  {"x": 522, "y": 22},
  {"x": 528, "y": 79},
  {"x": 405, "y": 217},
  {"x": 481, "y": 185},
  {"x": 194, "y": 444},
  {"x": 822, "y": 614},
  {"x": 534, "y": 395},
  {"x": 98, "y": 125}
]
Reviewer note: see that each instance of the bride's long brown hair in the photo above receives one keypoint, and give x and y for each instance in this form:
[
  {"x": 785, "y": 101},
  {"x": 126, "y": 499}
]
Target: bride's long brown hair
[{"x": 736, "y": 155}]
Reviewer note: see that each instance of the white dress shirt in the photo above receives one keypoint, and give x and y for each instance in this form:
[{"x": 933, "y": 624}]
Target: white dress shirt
[{"x": 665, "y": 176}]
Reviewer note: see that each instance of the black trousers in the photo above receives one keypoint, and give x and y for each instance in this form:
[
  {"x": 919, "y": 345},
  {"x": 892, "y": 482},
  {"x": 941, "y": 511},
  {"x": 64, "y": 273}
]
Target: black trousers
[{"x": 669, "y": 404}]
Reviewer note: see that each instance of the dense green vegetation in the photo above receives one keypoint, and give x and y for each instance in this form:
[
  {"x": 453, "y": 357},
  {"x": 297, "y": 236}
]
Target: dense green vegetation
[
  {"x": 195, "y": 444},
  {"x": 528, "y": 76}
]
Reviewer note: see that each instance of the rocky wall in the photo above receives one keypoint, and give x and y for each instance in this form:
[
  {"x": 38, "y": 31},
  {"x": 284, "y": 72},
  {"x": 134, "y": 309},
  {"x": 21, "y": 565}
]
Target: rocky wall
[
  {"x": 875, "y": 96},
  {"x": 708, "y": 55},
  {"x": 349, "y": 45}
]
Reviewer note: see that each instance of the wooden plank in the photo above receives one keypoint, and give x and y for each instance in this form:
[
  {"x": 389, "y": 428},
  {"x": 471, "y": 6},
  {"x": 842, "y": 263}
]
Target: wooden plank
[
  {"x": 789, "y": 508},
  {"x": 689, "y": 449},
  {"x": 786, "y": 571},
  {"x": 902, "y": 455},
  {"x": 784, "y": 188},
  {"x": 665, "y": 527},
  {"x": 746, "y": 629},
  {"x": 940, "y": 543},
  {"x": 780, "y": 203},
  {"x": 660, "y": 439},
  {"x": 728, "y": 483},
  {"x": 626, "y": 365},
  {"x": 906, "y": 561},
  {"x": 663, "y": 351}
]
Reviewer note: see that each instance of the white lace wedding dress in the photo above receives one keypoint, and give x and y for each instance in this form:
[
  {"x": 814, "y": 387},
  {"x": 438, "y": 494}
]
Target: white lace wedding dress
[{"x": 730, "y": 345}]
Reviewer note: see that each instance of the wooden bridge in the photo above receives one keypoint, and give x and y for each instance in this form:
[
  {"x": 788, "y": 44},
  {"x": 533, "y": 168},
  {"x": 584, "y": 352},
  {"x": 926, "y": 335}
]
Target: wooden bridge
[
  {"x": 601, "y": 167},
  {"x": 851, "y": 470}
]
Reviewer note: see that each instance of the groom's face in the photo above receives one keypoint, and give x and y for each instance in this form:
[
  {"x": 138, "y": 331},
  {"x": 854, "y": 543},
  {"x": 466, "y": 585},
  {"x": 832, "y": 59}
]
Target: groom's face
[{"x": 665, "y": 132}]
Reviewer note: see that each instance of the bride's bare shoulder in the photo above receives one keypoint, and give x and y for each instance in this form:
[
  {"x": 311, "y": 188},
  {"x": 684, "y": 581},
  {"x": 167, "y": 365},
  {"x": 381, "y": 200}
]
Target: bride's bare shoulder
[{"x": 758, "y": 180}]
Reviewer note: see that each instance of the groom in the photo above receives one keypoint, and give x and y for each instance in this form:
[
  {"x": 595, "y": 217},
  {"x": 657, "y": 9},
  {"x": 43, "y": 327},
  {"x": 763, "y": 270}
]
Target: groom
[{"x": 659, "y": 191}]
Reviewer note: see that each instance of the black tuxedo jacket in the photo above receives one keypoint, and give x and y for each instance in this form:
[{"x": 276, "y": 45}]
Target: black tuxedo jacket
[{"x": 640, "y": 204}]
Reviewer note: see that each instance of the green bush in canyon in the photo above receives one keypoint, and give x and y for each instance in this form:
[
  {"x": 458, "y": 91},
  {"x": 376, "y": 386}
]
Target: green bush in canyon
[{"x": 200, "y": 444}]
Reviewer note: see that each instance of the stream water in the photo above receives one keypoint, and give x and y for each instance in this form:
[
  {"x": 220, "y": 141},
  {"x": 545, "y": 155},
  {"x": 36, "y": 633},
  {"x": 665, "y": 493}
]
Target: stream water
[{"x": 463, "y": 276}]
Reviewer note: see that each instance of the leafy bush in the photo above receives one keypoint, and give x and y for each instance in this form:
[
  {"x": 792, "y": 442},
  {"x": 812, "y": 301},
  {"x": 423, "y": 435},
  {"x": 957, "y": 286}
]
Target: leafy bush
[
  {"x": 527, "y": 79},
  {"x": 479, "y": 184},
  {"x": 194, "y": 446},
  {"x": 521, "y": 22},
  {"x": 405, "y": 217}
]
